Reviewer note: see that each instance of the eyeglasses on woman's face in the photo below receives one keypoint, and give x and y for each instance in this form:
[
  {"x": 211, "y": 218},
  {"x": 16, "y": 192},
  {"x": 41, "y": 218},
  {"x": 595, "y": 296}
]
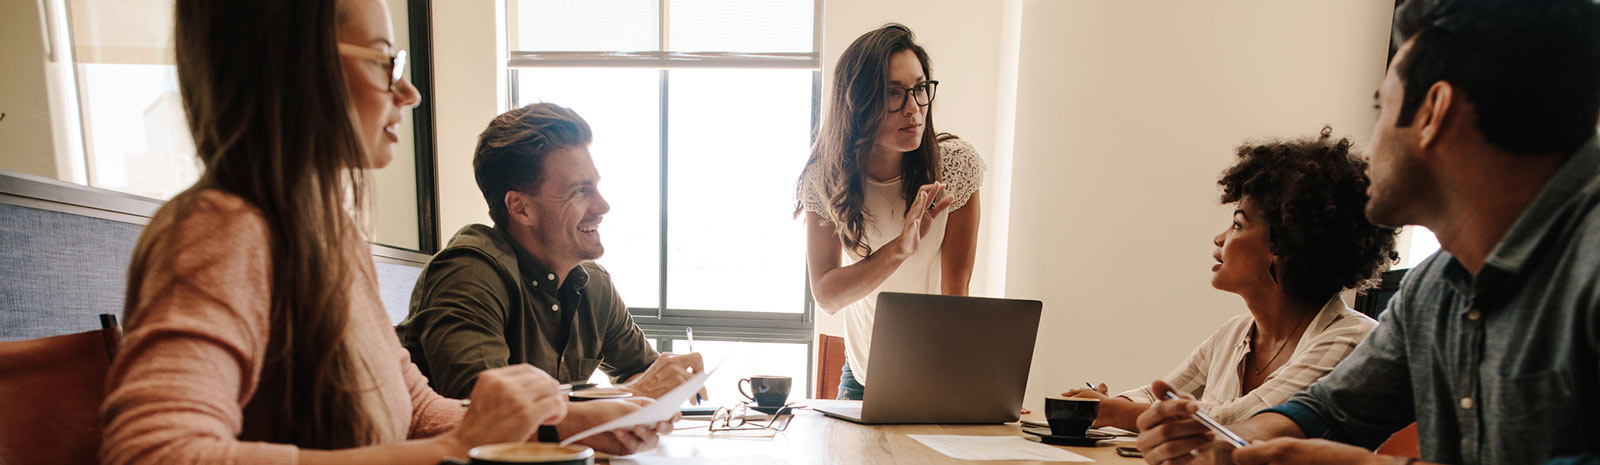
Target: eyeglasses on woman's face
[
  {"x": 395, "y": 64},
  {"x": 922, "y": 93}
]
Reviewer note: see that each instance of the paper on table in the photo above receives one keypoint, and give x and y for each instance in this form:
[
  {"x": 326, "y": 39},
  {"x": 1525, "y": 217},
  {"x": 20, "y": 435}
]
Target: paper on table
[
  {"x": 662, "y": 410},
  {"x": 995, "y": 448},
  {"x": 744, "y": 460}
]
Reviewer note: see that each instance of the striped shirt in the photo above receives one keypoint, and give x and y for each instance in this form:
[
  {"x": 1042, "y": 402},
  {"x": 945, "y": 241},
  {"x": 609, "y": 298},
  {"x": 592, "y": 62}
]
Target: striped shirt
[{"x": 1214, "y": 372}]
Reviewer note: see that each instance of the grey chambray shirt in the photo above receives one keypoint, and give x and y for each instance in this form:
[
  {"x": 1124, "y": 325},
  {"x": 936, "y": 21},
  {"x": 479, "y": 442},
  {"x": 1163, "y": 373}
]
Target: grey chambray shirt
[{"x": 1501, "y": 368}]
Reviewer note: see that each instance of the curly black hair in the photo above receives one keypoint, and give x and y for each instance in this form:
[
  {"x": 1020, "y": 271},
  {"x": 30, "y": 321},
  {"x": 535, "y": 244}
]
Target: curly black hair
[{"x": 1313, "y": 197}]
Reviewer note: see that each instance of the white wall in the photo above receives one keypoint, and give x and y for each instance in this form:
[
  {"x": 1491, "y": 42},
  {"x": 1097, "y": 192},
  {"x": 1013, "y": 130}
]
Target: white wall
[
  {"x": 1126, "y": 113},
  {"x": 962, "y": 39},
  {"x": 469, "y": 82},
  {"x": 26, "y": 143}
]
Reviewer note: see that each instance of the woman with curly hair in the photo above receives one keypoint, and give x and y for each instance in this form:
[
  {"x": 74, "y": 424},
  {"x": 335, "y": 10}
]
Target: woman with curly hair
[
  {"x": 1299, "y": 235},
  {"x": 889, "y": 204}
]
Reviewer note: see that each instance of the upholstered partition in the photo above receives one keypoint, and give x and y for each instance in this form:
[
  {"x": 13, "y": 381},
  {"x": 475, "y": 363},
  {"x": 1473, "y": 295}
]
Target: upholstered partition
[
  {"x": 65, "y": 248},
  {"x": 64, "y": 252}
]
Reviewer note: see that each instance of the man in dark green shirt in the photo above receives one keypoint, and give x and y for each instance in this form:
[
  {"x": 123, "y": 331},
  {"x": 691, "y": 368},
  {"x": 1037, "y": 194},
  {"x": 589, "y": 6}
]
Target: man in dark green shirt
[{"x": 526, "y": 290}]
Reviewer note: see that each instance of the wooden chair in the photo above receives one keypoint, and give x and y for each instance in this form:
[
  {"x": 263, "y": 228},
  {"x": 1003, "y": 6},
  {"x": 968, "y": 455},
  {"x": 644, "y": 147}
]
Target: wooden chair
[
  {"x": 830, "y": 364},
  {"x": 1403, "y": 443},
  {"x": 52, "y": 388}
]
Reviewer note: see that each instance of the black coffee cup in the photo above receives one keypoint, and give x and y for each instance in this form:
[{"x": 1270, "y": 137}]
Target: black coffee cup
[
  {"x": 516, "y": 453},
  {"x": 1070, "y": 416},
  {"x": 767, "y": 390}
]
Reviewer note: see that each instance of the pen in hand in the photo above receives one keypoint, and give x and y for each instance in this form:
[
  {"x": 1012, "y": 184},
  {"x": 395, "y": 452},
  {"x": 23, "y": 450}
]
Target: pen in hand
[
  {"x": 688, "y": 331},
  {"x": 1214, "y": 425}
]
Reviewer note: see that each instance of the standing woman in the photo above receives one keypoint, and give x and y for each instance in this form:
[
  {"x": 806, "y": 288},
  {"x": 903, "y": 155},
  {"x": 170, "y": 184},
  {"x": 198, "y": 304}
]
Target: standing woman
[
  {"x": 883, "y": 196},
  {"x": 255, "y": 331}
]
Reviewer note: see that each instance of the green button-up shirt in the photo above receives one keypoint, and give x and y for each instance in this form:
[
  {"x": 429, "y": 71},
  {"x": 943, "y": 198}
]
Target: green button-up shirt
[{"x": 483, "y": 302}]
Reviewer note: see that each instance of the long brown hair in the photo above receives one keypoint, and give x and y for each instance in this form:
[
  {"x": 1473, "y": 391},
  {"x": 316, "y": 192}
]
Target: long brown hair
[
  {"x": 850, "y": 129},
  {"x": 265, "y": 96}
]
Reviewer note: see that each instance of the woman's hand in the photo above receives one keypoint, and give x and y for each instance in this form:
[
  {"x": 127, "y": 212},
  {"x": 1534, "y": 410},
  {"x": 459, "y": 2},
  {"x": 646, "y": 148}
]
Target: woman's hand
[
  {"x": 1099, "y": 392},
  {"x": 919, "y": 220},
  {"x": 508, "y": 405}
]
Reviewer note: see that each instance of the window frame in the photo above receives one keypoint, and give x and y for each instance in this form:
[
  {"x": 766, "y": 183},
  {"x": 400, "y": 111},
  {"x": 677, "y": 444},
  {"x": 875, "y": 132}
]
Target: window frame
[
  {"x": 663, "y": 323},
  {"x": 57, "y": 25}
]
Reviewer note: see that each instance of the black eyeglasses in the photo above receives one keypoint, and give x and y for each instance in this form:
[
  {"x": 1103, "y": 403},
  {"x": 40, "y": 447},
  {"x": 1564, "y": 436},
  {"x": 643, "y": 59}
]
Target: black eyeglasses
[
  {"x": 923, "y": 93},
  {"x": 394, "y": 64}
]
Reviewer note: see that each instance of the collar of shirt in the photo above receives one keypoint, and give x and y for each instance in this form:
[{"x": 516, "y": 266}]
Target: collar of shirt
[
  {"x": 1573, "y": 185},
  {"x": 1325, "y": 317},
  {"x": 539, "y": 276}
]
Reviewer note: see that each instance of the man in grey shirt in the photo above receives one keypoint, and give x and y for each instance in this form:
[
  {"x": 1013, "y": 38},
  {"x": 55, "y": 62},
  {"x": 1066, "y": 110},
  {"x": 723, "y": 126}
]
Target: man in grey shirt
[{"x": 1492, "y": 346}]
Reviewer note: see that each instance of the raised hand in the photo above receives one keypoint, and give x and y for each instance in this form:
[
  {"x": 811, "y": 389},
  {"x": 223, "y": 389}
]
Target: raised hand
[{"x": 919, "y": 219}]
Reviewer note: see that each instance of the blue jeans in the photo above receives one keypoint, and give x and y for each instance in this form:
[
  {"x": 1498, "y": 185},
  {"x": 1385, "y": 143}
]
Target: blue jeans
[{"x": 849, "y": 388}]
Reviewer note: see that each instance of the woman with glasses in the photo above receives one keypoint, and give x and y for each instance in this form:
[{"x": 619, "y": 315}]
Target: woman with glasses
[
  {"x": 890, "y": 204},
  {"x": 255, "y": 333}
]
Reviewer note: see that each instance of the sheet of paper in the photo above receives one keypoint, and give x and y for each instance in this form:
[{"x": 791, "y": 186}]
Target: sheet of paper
[
  {"x": 995, "y": 448},
  {"x": 741, "y": 460},
  {"x": 662, "y": 410}
]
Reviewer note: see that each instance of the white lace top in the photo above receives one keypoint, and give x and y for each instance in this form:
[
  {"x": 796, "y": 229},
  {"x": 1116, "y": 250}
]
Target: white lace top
[{"x": 962, "y": 172}]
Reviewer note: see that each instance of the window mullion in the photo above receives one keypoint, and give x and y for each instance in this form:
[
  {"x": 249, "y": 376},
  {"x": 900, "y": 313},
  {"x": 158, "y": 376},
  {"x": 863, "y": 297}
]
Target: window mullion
[{"x": 661, "y": 308}]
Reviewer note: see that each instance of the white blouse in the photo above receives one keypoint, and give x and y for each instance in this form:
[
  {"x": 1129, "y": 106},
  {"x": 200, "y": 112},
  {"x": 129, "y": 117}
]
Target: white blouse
[
  {"x": 962, "y": 172},
  {"x": 1214, "y": 372}
]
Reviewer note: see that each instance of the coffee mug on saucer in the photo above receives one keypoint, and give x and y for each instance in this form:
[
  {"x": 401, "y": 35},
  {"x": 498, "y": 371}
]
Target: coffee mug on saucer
[
  {"x": 516, "y": 453},
  {"x": 598, "y": 393},
  {"x": 766, "y": 390},
  {"x": 1070, "y": 416}
]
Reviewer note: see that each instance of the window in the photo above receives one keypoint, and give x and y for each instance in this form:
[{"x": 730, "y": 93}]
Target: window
[
  {"x": 1417, "y": 244},
  {"x": 702, "y": 112},
  {"x": 114, "y": 69}
]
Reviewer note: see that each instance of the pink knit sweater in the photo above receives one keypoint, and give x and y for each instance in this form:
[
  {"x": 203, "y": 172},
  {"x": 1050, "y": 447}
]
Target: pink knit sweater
[{"x": 193, "y": 356}]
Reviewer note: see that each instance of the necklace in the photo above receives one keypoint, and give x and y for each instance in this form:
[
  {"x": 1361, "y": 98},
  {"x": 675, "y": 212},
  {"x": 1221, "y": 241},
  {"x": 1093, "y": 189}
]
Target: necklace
[{"x": 1281, "y": 345}]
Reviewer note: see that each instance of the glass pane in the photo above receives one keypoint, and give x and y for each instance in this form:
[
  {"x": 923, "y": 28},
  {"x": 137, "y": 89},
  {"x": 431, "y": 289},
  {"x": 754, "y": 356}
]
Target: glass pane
[
  {"x": 738, "y": 141},
  {"x": 134, "y": 129},
  {"x": 748, "y": 359},
  {"x": 395, "y": 203},
  {"x": 584, "y": 26},
  {"x": 1423, "y": 245},
  {"x": 752, "y": 26},
  {"x": 622, "y": 108}
]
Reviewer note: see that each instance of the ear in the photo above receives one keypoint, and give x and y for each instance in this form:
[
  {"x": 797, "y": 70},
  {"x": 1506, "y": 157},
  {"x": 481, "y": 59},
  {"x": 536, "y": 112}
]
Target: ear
[
  {"x": 1437, "y": 108},
  {"x": 519, "y": 208}
]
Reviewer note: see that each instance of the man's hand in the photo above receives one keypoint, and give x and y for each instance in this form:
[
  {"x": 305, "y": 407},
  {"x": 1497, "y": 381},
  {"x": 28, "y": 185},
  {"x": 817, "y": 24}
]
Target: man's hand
[
  {"x": 1309, "y": 452},
  {"x": 584, "y": 415},
  {"x": 1170, "y": 434},
  {"x": 669, "y": 371}
]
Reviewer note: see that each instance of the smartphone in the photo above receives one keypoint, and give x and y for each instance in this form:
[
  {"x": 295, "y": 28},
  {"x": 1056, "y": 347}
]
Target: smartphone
[
  {"x": 697, "y": 411},
  {"x": 1129, "y": 452}
]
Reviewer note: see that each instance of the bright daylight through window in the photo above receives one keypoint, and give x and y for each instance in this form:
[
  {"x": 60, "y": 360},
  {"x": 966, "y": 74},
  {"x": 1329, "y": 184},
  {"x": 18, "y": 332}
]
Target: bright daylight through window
[{"x": 702, "y": 118}]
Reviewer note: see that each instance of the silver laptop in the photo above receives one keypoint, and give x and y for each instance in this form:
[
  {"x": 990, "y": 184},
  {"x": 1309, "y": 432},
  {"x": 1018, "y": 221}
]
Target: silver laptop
[{"x": 946, "y": 359}]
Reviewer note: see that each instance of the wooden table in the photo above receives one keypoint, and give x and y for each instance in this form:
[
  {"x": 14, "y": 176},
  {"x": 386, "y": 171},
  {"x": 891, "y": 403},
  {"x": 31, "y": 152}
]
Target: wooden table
[{"x": 816, "y": 439}]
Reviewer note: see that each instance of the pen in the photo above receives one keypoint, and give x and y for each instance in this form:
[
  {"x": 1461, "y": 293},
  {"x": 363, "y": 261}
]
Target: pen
[
  {"x": 564, "y": 390},
  {"x": 689, "y": 331},
  {"x": 1091, "y": 386},
  {"x": 1211, "y": 423}
]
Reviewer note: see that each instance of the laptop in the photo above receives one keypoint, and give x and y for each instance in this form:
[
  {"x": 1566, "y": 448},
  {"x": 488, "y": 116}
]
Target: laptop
[{"x": 946, "y": 359}]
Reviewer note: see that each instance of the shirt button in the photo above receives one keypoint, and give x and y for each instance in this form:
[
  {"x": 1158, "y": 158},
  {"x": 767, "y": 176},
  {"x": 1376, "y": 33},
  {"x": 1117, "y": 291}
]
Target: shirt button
[
  {"x": 1474, "y": 314},
  {"x": 551, "y": 276},
  {"x": 555, "y": 307},
  {"x": 1466, "y": 403},
  {"x": 535, "y": 283}
]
